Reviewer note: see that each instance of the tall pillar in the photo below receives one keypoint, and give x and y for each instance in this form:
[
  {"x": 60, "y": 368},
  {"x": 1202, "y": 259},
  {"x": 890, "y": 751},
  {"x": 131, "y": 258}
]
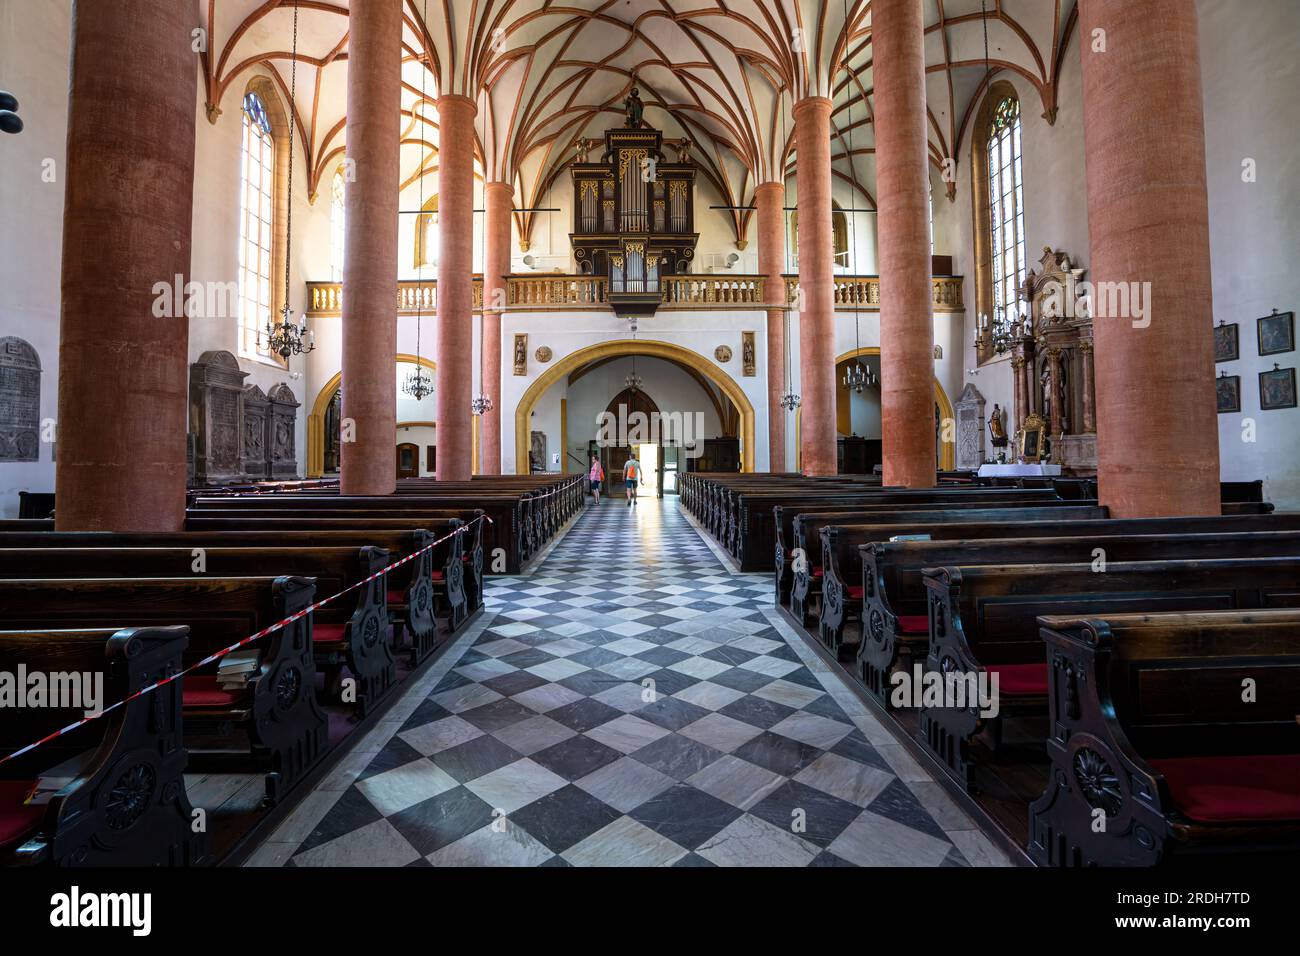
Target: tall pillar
[
  {"x": 498, "y": 201},
  {"x": 455, "y": 384},
  {"x": 368, "y": 463},
  {"x": 812, "y": 131},
  {"x": 902, "y": 195},
  {"x": 123, "y": 403},
  {"x": 769, "y": 198},
  {"x": 1148, "y": 228}
]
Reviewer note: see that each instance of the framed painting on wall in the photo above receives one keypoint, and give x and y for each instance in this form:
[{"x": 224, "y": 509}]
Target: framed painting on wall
[
  {"x": 1277, "y": 389},
  {"x": 1276, "y": 333},
  {"x": 1227, "y": 346},
  {"x": 1227, "y": 390}
]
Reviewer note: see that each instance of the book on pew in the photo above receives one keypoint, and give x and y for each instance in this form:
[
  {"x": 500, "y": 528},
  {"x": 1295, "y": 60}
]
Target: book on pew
[
  {"x": 234, "y": 668},
  {"x": 910, "y": 537}
]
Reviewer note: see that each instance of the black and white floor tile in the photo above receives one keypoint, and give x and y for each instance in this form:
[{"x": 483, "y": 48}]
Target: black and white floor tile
[{"x": 629, "y": 702}]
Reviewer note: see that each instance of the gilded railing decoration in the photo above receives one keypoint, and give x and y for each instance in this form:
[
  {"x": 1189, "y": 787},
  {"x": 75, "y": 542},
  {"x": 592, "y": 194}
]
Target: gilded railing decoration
[{"x": 546, "y": 291}]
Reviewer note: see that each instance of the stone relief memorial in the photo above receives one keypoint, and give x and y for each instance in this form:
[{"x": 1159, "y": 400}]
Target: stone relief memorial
[
  {"x": 217, "y": 417},
  {"x": 20, "y": 401}
]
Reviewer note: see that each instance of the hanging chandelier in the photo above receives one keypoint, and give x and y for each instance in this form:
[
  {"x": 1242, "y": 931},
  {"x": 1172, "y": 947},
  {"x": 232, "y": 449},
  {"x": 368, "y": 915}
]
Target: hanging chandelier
[
  {"x": 418, "y": 384},
  {"x": 633, "y": 380},
  {"x": 480, "y": 404},
  {"x": 284, "y": 338}
]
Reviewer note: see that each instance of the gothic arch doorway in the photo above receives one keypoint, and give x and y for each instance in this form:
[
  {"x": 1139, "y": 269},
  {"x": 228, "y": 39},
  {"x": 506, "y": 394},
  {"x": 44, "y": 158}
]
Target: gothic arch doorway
[
  {"x": 653, "y": 349},
  {"x": 325, "y": 415}
]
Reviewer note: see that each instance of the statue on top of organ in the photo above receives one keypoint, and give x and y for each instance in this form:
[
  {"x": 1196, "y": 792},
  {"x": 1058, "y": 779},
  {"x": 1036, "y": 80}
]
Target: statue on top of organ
[{"x": 633, "y": 211}]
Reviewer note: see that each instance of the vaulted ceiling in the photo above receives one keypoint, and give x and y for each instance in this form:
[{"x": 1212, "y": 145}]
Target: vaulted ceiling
[{"x": 722, "y": 74}]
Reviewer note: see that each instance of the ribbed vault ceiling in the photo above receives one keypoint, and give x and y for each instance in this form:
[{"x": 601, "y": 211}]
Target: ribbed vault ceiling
[{"x": 721, "y": 74}]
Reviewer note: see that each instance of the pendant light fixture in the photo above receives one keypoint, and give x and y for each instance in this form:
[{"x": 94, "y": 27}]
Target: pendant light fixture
[{"x": 284, "y": 338}]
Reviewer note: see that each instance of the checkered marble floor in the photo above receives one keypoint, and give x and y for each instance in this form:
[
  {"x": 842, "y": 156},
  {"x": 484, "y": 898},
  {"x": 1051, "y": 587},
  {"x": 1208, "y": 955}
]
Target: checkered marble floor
[{"x": 628, "y": 702}]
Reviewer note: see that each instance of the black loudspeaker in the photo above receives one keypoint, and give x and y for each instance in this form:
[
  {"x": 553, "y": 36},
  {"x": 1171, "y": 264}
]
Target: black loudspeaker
[{"x": 10, "y": 121}]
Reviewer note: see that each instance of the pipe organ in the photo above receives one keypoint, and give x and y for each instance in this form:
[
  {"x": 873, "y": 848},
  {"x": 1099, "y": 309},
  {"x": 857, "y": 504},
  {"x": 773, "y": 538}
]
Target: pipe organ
[{"x": 633, "y": 215}]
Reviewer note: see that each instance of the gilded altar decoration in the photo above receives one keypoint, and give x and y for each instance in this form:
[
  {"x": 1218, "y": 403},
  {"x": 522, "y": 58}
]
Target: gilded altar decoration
[
  {"x": 748, "y": 365},
  {"x": 723, "y": 354},
  {"x": 543, "y": 354},
  {"x": 521, "y": 353}
]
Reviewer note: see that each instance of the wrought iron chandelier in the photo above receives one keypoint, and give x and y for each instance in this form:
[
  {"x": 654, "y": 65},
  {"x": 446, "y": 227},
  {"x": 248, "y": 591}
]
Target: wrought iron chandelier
[
  {"x": 857, "y": 376},
  {"x": 633, "y": 380},
  {"x": 419, "y": 383},
  {"x": 284, "y": 338}
]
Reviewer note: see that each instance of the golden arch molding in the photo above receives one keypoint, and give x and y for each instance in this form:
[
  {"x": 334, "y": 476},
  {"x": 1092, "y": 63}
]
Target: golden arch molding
[
  {"x": 316, "y": 418},
  {"x": 643, "y": 347},
  {"x": 947, "y": 448}
]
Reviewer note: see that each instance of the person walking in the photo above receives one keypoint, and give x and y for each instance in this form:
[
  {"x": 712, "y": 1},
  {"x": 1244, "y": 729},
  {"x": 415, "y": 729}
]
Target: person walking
[
  {"x": 597, "y": 476},
  {"x": 632, "y": 478}
]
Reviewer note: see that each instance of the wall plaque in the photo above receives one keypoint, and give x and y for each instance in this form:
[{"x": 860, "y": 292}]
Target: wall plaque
[
  {"x": 521, "y": 353},
  {"x": 970, "y": 428},
  {"x": 253, "y": 446},
  {"x": 20, "y": 401}
]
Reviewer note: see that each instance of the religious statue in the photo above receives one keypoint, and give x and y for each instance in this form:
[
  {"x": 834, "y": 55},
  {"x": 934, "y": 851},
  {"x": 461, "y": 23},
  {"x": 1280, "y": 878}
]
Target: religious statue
[
  {"x": 997, "y": 427},
  {"x": 581, "y": 148},
  {"x": 634, "y": 108},
  {"x": 684, "y": 151}
]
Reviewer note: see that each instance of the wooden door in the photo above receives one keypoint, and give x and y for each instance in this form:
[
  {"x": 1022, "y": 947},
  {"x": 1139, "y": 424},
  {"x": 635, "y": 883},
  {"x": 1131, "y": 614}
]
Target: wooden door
[
  {"x": 408, "y": 460},
  {"x": 615, "y": 458}
]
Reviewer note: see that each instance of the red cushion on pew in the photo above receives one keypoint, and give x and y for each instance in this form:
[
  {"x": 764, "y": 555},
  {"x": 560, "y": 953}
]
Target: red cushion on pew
[
  {"x": 1019, "y": 680},
  {"x": 438, "y": 575},
  {"x": 914, "y": 623},
  {"x": 328, "y": 633},
  {"x": 467, "y": 558},
  {"x": 204, "y": 691},
  {"x": 16, "y": 820},
  {"x": 1234, "y": 789},
  {"x": 854, "y": 592},
  {"x": 397, "y": 597},
  {"x": 817, "y": 572}
]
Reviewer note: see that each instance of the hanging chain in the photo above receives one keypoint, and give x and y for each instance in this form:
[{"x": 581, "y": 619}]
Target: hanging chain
[{"x": 293, "y": 122}]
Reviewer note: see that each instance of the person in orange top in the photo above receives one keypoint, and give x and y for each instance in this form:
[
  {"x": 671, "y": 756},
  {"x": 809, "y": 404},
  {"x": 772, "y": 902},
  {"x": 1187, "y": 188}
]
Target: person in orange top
[
  {"x": 632, "y": 477},
  {"x": 597, "y": 476}
]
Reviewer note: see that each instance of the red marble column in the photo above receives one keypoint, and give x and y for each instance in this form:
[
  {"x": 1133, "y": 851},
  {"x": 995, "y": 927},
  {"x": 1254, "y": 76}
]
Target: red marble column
[
  {"x": 812, "y": 130},
  {"x": 455, "y": 385},
  {"x": 902, "y": 195},
  {"x": 498, "y": 201},
  {"x": 1148, "y": 222},
  {"x": 770, "y": 200},
  {"x": 123, "y": 372},
  {"x": 368, "y": 464}
]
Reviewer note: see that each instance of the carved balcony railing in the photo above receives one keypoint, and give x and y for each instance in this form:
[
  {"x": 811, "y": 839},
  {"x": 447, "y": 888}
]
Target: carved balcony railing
[
  {"x": 711, "y": 291},
  {"x": 862, "y": 293},
  {"x": 549, "y": 291},
  {"x": 557, "y": 292}
]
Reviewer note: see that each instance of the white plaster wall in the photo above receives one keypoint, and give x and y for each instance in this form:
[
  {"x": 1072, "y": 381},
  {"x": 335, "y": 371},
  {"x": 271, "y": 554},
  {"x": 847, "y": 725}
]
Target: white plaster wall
[
  {"x": 34, "y": 59},
  {"x": 1249, "y": 79}
]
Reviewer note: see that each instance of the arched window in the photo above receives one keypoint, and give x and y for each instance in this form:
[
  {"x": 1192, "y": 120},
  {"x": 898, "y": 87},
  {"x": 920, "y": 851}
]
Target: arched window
[
  {"x": 256, "y": 225},
  {"x": 839, "y": 236},
  {"x": 426, "y": 234},
  {"x": 337, "y": 233},
  {"x": 1007, "y": 205},
  {"x": 999, "y": 199}
]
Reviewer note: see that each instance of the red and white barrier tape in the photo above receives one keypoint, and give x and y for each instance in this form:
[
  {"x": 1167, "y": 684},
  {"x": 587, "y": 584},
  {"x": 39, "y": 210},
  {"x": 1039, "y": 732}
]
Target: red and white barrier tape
[{"x": 266, "y": 631}]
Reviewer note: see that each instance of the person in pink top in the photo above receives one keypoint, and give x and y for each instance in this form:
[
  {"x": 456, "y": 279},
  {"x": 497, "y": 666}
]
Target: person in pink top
[{"x": 597, "y": 476}]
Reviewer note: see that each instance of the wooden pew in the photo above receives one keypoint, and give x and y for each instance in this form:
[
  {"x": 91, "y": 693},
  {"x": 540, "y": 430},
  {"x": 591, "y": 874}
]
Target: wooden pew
[
  {"x": 123, "y": 802},
  {"x": 272, "y": 723},
  {"x": 805, "y": 592},
  {"x": 352, "y": 631},
  {"x": 398, "y": 542},
  {"x": 1153, "y": 738},
  {"x": 793, "y": 529},
  {"x": 893, "y": 598},
  {"x": 983, "y": 622}
]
